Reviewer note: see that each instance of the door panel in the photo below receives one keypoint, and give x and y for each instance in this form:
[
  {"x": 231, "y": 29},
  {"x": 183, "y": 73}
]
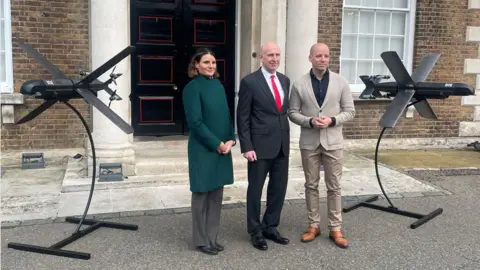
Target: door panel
[{"x": 166, "y": 33}]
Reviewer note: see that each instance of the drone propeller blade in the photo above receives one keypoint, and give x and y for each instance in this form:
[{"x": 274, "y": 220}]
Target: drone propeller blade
[
  {"x": 396, "y": 108},
  {"x": 37, "y": 111},
  {"x": 424, "y": 109},
  {"x": 424, "y": 68},
  {"x": 111, "y": 93},
  {"x": 396, "y": 67},
  {"x": 107, "y": 65},
  {"x": 56, "y": 73},
  {"x": 97, "y": 103}
]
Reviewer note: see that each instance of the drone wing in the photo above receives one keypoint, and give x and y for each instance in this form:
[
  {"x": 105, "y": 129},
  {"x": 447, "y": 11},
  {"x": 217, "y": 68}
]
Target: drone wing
[
  {"x": 419, "y": 75},
  {"x": 97, "y": 103},
  {"x": 396, "y": 108},
  {"x": 37, "y": 111},
  {"x": 106, "y": 66},
  {"x": 426, "y": 65},
  {"x": 396, "y": 67},
  {"x": 56, "y": 73}
]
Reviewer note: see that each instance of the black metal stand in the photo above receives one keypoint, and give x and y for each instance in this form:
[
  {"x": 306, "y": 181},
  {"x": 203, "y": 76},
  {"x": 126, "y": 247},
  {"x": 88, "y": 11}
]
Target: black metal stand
[
  {"x": 55, "y": 249},
  {"x": 391, "y": 209}
]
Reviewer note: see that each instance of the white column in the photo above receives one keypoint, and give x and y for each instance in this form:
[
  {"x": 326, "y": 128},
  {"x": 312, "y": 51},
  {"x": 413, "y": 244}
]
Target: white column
[
  {"x": 109, "y": 34},
  {"x": 302, "y": 33},
  {"x": 273, "y": 26}
]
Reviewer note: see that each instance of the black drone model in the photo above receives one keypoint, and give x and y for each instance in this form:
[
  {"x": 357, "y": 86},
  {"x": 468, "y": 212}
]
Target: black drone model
[
  {"x": 61, "y": 88},
  {"x": 406, "y": 91},
  {"x": 409, "y": 90}
]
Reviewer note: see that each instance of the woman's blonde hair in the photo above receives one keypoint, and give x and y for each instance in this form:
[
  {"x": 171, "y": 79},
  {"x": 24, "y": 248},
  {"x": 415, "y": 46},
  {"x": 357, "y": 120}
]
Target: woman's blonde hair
[{"x": 192, "y": 70}]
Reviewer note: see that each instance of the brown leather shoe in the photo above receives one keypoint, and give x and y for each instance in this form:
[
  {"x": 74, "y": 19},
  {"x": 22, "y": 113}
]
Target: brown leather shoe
[
  {"x": 338, "y": 239},
  {"x": 310, "y": 234}
]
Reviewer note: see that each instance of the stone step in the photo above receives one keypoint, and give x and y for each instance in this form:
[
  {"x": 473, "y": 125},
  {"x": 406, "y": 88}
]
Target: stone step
[
  {"x": 154, "y": 159},
  {"x": 167, "y": 179}
]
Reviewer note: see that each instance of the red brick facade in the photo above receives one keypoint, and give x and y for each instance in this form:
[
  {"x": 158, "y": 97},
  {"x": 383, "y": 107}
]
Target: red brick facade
[
  {"x": 440, "y": 28},
  {"x": 59, "y": 29}
]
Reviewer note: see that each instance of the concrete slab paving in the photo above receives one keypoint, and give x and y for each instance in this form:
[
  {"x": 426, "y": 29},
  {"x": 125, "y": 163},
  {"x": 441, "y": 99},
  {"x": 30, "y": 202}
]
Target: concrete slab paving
[
  {"x": 378, "y": 240},
  {"x": 37, "y": 194}
]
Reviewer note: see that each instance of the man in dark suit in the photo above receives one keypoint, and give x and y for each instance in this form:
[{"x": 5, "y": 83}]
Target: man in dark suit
[{"x": 264, "y": 133}]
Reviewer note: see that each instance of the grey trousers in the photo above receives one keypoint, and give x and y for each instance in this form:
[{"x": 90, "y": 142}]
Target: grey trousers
[{"x": 206, "y": 208}]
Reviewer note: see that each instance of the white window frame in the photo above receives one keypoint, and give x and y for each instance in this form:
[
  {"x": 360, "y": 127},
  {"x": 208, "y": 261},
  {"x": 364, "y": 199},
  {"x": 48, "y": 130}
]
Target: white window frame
[
  {"x": 408, "y": 48},
  {"x": 7, "y": 86}
]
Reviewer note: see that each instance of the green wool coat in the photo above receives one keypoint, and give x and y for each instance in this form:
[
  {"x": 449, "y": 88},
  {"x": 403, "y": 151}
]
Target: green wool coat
[{"x": 209, "y": 124}]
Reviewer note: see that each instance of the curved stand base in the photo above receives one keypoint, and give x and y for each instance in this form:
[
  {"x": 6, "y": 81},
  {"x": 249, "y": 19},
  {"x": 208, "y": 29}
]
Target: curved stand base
[
  {"x": 94, "y": 224},
  {"x": 421, "y": 218},
  {"x": 391, "y": 209}
]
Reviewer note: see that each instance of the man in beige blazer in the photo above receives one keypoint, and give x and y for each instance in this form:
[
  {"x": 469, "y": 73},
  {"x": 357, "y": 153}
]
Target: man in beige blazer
[{"x": 320, "y": 103}]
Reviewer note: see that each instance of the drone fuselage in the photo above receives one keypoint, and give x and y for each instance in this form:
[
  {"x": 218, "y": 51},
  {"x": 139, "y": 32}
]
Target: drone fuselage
[
  {"x": 423, "y": 90},
  {"x": 58, "y": 88}
]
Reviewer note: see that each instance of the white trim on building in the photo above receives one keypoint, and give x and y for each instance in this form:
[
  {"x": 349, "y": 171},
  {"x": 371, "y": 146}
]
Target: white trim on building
[
  {"x": 6, "y": 65},
  {"x": 370, "y": 27}
]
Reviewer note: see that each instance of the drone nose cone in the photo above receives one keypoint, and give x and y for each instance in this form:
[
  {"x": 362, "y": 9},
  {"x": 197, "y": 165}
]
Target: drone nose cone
[{"x": 29, "y": 88}]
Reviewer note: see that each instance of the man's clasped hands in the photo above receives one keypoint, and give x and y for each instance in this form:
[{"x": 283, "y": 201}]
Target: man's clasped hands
[
  {"x": 321, "y": 122},
  {"x": 224, "y": 148}
]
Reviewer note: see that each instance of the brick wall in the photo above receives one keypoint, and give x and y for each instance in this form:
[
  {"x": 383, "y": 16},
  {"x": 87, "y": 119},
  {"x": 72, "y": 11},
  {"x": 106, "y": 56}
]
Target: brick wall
[
  {"x": 440, "y": 28},
  {"x": 59, "y": 30}
]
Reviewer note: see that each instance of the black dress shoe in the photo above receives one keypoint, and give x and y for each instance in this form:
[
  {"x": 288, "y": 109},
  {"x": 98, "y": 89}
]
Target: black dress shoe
[
  {"x": 208, "y": 250},
  {"x": 218, "y": 247},
  {"x": 276, "y": 237},
  {"x": 259, "y": 242}
]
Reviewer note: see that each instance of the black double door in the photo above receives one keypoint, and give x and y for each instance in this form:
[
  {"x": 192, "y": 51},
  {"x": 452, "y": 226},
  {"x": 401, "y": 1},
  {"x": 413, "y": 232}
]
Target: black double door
[{"x": 166, "y": 33}]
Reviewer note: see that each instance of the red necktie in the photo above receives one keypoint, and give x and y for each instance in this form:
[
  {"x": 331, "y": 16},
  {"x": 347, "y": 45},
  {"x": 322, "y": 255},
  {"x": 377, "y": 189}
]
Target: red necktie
[{"x": 278, "y": 100}]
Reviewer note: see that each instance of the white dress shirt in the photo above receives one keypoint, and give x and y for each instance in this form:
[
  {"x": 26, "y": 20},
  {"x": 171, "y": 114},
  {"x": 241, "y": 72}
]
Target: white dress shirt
[{"x": 268, "y": 77}]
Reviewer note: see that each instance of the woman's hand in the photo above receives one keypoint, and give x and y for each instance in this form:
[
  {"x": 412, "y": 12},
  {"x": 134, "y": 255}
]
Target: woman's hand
[
  {"x": 221, "y": 148},
  {"x": 228, "y": 147}
]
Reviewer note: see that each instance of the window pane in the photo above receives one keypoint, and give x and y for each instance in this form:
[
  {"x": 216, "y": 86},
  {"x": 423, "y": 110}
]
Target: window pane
[
  {"x": 398, "y": 23},
  {"x": 367, "y": 21},
  {"x": 369, "y": 3},
  {"x": 365, "y": 47},
  {"x": 381, "y": 45},
  {"x": 396, "y": 44},
  {"x": 1, "y": 9},
  {"x": 349, "y": 47},
  {"x": 2, "y": 67},
  {"x": 348, "y": 70},
  {"x": 363, "y": 68},
  {"x": 400, "y": 3},
  {"x": 350, "y": 21},
  {"x": 385, "y": 3},
  {"x": 353, "y": 2},
  {"x": 379, "y": 68},
  {"x": 383, "y": 22}
]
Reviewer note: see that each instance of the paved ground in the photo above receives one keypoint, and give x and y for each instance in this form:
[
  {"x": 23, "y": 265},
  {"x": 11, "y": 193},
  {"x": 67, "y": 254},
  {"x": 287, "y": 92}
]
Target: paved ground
[
  {"x": 36, "y": 195},
  {"x": 378, "y": 240}
]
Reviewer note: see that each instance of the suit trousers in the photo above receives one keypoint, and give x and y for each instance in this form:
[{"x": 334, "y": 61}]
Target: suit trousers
[
  {"x": 206, "y": 208},
  {"x": 277, "y": 169},
  {"x": 332, "y": 162}
]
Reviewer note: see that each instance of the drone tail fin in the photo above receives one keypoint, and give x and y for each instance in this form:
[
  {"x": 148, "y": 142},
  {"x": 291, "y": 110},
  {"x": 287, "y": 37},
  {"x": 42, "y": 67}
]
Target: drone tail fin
[
  {"x": 37, "y": 111},
  {"x": 99, "y": 105},
  {"x": 369, "y": 88},
  {"x": 396, "y": 108},
  {"x": 107, "y": 65}
]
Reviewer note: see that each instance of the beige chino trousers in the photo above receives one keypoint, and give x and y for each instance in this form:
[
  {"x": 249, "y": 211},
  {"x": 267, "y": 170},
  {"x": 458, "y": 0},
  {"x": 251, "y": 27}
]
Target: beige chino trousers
[{"x": 332, "y": 162}]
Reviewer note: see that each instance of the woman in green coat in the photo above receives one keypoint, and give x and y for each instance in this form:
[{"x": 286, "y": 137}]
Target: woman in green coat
[{"x": 210, "y": 140}]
